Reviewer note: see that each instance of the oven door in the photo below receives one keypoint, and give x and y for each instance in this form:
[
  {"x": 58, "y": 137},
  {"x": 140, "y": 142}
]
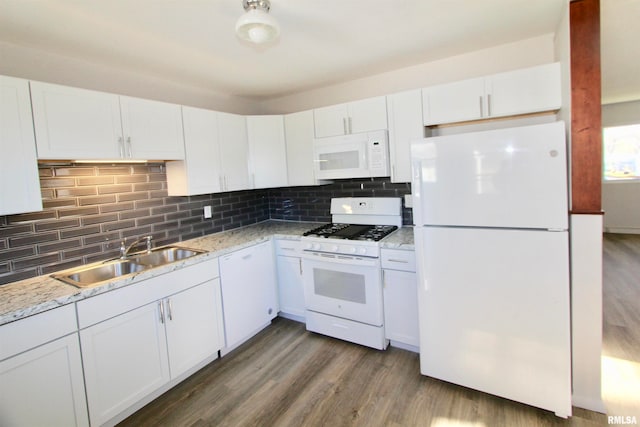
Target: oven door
[{"x": 343, "y": 286}]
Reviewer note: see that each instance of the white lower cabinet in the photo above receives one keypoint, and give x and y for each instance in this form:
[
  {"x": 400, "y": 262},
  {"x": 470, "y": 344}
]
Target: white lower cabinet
[
  {"x": 41, "y": 380},
  {"x": 290, "y": 286},
  {"x": 400, "y": 298},
  {"x": 249, "y": 292},
  {"x": 125, "y": 359},
  {"x": 130, "y": 354}
]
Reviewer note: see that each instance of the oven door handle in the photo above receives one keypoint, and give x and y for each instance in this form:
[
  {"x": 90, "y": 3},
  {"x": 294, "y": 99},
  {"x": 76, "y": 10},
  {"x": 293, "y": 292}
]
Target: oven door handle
[{"x": 341, "y": 259}]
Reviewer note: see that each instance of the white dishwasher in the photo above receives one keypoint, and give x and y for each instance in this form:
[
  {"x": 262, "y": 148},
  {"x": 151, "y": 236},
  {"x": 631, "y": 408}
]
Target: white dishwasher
[{"x": 249, "y": 292}]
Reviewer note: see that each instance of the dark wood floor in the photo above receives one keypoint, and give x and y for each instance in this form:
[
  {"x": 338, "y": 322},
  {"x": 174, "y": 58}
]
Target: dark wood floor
[{"x": 286, "y": 376}]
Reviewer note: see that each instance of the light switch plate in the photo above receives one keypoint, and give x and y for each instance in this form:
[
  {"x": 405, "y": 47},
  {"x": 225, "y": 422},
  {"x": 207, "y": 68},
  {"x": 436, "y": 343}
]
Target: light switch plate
[{"x": 207, "y": 211}]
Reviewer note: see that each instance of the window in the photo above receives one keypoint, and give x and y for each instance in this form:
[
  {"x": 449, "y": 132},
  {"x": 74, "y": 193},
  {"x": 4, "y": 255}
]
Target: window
[{"x": 621, "y": 145}]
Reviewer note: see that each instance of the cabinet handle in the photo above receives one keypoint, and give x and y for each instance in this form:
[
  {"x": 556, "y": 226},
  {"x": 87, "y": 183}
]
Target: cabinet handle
[
  {"x": 489, "y": 105},
  {"x": 161, "y": 307},
  {"x": 300, "y": 264},
  {"x": 170, "y": 308},
  {"x": 344, "y": 125},
  {"x": 393, "y": 172},
  {"x": 129, "y": 145},
  {"x": 481, "y": 109},
  {"x": 384, "y": 279},
  {"x": 247, "y": 256},
  {"x": 398, "y": 260},
  {"x": 350, "y": 128},
  {"x": 121, "y": 146}
]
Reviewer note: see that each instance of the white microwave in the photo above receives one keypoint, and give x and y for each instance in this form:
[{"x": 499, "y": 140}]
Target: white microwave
[{"x": 358, "y": 155}]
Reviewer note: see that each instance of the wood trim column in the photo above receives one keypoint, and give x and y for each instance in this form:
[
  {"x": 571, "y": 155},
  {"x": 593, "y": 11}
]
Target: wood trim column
[{"x": 586, "y": 108}]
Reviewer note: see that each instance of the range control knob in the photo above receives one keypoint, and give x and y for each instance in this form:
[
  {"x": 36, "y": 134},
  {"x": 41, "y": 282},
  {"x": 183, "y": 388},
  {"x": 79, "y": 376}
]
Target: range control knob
[
  {"x": 316, "y": 246},
  {"x": 308, "y": 246},
  {"x": 334, "y": 248},
  {"x": 352, "y": 250},
  {"x": 363, "y": 251}
]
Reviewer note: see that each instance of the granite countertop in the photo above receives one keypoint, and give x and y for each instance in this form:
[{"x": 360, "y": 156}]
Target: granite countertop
[{"x": 31, "y": 296}]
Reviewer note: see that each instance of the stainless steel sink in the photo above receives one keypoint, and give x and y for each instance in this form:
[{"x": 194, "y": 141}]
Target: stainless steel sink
[
  {"x": 165, "y": 255},
  {"x": 83, "y": 277},
  {"x": 87, "y": 276}
]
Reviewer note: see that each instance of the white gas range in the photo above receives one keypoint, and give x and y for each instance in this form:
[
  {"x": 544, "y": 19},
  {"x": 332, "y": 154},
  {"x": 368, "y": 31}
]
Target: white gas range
[{"x": 341, "y": 269}]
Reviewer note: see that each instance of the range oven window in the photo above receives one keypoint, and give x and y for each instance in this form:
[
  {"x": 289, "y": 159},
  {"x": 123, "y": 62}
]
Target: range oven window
[{"x": 340, "y": 285}]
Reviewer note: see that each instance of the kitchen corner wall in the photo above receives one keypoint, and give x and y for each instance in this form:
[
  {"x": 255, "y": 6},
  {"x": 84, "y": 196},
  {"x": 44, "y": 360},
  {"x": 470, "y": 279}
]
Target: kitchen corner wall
[{"x": 90, "y": 209}]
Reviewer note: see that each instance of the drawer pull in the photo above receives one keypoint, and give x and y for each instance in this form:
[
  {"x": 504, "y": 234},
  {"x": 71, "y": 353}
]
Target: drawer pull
[{"x": 402, "y": 261}]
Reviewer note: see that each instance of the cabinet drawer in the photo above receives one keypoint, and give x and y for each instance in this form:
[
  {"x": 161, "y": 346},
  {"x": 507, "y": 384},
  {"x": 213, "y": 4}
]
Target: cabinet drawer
[
  {"x": 118, "y": 301},
  {"x": 288, "y": 247},
  {"x": 394, "y": 259},
  {"x": 359, "y": 333},
  {"x": 36, "y": 330}
]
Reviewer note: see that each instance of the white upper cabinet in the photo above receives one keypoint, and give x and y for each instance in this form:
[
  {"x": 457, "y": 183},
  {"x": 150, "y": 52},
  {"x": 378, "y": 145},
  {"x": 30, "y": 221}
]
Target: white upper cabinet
[
  {"x": 200, "y": 171},
  {"x": 234, "y": 151},
  {"x": 353, "y": 117},
  {"x": 72, "y": 123},
  {"x": 454, "y": 102},
  {"x": 298, "y": 129},
  {"x": 152, "y": 129},
  {"x": 216, "y": 154},
  {"x": 267, "y": 151},
  {"x": 19, "y": 182},
  {"x": 524, "y": 91},
  {"x": 405, "y": 125}
]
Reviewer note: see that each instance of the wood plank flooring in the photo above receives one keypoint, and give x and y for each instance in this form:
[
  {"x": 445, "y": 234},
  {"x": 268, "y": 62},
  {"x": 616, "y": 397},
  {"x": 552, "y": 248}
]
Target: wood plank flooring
[{"x": 286, "y": 376}]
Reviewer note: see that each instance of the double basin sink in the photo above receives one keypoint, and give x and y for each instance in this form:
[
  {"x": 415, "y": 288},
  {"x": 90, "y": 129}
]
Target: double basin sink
[{"x": 87, "y": 276}]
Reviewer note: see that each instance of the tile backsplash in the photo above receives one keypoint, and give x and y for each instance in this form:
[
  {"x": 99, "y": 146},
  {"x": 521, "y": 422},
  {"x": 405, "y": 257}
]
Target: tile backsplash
[{"x": 89, "y": 209}]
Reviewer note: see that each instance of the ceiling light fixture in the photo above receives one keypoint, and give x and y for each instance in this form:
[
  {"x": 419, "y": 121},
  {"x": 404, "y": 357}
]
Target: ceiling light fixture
[{"x": 256, "y": 25}]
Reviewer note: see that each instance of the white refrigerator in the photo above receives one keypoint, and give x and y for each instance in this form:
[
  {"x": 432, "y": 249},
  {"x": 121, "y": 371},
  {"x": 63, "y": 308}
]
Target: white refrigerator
[{"x": 491, "y": 236}]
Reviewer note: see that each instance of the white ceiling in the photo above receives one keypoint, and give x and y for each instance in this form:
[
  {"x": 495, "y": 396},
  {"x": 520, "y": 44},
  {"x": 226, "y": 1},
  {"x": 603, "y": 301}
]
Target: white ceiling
[{"x": 322, "y": 42}]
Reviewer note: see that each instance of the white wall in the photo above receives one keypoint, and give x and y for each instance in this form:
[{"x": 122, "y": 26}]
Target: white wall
[
  {"x": 621, "y": 199},
  {"x": 32, "y": 64},
  {"x": 521, "y": 54}
]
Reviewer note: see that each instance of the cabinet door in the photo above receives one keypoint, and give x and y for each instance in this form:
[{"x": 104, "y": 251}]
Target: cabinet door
[
  {"x": 234, "y": 151},
  {"x": 19, "y": 182},
  {"x": 454, "y": 102},
  {"x": 73, "y": 123},
  {"x": 525, "y": 91},
  {"x": 331, "y": 120},
  {"x": 44, "y": 386},
  {"x": 192, "y": 326},
  {"x": 125, "y": 359},
  {"x": 405, "y": 125},
  {"x": 367, "y": 115},
  {"x": 298, "y": 128},
  {"x": 290, "y": 287},
  {"x": 249, "y": 291},
  {"x": 401, "y": 307},
  {"x": 152, "y": 129},
  {"x": 199, "y": 172},
  {"x": 267, "y": 152}
]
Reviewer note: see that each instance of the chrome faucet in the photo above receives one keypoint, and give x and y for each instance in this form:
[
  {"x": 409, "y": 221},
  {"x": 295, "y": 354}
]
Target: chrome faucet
[{"x": 124, "y": 250}]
